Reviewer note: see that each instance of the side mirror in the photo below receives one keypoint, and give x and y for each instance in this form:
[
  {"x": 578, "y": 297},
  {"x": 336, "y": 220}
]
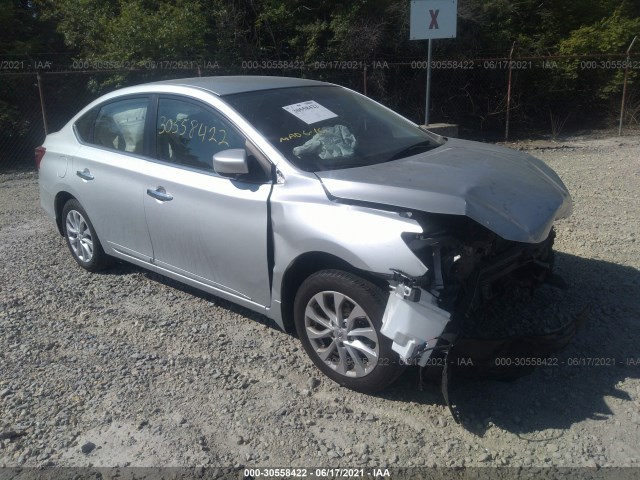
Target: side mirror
[{"x": 231, "y": 162}]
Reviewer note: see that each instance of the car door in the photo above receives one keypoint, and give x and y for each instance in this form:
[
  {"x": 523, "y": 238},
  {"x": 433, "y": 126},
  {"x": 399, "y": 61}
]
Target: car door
[
  {"x": 203, "y": 226},
  {"x": 107, "y": 174}
]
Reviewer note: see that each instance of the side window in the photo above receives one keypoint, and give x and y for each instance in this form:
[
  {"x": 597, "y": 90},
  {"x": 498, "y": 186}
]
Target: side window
[
  {"x": 84, "y": 125},
  {"x": 120, "y": 125},
  {"x": 190, "y": 135}
]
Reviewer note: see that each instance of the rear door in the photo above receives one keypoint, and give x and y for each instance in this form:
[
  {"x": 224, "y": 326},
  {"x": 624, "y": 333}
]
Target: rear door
[
  {"x": 203, "y": 226},
  {"x": 107, "y": 173}
]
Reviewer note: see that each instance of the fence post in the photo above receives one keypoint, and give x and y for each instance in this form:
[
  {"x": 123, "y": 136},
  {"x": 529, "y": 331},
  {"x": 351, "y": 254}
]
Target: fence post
[
  {"x": 624, "y": 87},
  {"x": 44, "y": 112},
  {"x": 364, "y": 79},
  {"x": 506, "y": 129}
]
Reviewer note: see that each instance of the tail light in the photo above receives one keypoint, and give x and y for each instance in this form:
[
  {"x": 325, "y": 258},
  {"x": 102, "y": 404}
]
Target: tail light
[{"x": 40, "y": 151}]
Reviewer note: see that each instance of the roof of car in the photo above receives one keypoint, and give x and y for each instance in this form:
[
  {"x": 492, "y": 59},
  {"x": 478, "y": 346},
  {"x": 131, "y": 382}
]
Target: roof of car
[{"x": 228, "y": 85}]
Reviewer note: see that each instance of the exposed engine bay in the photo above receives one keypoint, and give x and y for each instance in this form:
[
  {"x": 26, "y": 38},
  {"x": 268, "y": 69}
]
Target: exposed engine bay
[
  {"x": 468, "y": 266},
  {"x": 441, "y": 312}
]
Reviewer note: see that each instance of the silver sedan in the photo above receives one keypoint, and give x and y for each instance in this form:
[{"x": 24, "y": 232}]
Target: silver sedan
[{"x": 309, "y": 203}]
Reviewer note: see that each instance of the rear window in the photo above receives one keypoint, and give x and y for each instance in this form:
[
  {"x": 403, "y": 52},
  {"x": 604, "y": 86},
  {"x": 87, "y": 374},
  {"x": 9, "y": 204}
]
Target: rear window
[
  {"x": 84, "y": 126},
  {"x": 120, "y": 125},
  {"x": 116, "y": 125}
]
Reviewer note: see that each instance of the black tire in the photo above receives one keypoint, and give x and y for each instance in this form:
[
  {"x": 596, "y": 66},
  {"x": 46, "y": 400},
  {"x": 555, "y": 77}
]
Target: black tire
[
  {"x": 73, "y": 213},
  {"x": 352, "y": 291}
]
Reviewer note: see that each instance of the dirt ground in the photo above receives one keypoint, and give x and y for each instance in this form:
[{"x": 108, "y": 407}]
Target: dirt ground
[{"x": 127, "y": 368}]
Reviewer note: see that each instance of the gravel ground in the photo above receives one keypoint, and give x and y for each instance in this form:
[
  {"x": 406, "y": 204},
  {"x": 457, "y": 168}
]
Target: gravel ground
[{"x": 129, "y": 368}]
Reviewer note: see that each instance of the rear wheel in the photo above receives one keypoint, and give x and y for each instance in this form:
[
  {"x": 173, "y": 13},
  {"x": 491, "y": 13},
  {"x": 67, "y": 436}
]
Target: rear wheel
[
  {"x": 81, "y": 238},
  {"x": 338, "y": 317}
]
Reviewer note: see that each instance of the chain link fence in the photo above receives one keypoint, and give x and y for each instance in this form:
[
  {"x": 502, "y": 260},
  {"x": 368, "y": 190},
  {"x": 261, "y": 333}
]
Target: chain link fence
[{"x": 486, "y": 97}]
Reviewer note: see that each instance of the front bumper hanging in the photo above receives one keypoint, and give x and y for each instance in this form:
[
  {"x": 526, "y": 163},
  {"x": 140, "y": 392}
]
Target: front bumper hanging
[
  {"x": 413, "y": 320},
  {"x": 418, "y": 328}
]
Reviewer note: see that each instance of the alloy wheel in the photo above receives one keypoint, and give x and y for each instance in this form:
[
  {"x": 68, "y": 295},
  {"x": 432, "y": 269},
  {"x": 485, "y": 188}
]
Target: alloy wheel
[
  {"x": 341, "y": 334},
  {"x": 79, "y": 236}
]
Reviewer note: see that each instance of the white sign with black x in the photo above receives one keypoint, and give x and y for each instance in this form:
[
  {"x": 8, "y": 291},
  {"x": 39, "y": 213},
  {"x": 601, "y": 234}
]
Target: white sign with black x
[{"x": 433, "y": 19}]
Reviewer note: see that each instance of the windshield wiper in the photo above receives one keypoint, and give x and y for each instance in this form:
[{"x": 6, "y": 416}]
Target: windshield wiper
[{"x": 409, "y": 151}]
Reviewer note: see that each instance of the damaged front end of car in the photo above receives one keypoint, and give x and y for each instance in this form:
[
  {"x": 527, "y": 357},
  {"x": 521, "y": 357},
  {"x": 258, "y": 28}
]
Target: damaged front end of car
[
  {"x": 485, "y": 216},
  {"x": 469, "y": 267}
]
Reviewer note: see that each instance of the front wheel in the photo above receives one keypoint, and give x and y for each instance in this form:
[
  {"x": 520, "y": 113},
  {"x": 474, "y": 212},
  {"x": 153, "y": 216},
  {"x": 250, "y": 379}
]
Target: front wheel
[{"x": 338, "y": 317}]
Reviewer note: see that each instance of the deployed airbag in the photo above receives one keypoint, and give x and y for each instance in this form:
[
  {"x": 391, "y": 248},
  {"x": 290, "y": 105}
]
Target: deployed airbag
[{"x": 330, "y": 142}]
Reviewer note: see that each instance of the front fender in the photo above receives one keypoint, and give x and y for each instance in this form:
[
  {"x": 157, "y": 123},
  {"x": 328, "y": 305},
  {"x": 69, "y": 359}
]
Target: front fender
[
  {"x": 367, "y": 239},
  {"x": 304, "y": 220}
]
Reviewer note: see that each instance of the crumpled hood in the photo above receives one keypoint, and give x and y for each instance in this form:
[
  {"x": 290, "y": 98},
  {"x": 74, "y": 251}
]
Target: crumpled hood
[{"x": 511, "y": 193}]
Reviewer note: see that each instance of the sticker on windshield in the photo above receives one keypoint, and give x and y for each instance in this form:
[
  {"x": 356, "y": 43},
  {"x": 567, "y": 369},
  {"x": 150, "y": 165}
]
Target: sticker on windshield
[{"x": 310, "y": 112}]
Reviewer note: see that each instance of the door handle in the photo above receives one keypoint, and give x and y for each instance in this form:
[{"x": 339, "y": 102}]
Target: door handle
[
  {"x": 160, "y": 194},
  {"x": 85, "y": 174}
]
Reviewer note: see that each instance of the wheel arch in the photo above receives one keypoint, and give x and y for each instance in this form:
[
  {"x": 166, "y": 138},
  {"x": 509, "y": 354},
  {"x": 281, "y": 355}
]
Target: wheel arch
[
  {"x": 307, "y": 264},
  {"x": 61, "y": 199}
]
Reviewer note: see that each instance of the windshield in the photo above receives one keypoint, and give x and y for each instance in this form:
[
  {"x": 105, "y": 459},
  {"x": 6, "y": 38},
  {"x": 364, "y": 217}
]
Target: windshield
[{"x": 326, "y": 127}]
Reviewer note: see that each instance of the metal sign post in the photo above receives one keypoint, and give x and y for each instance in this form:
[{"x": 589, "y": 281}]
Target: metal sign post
[
  {"x": 426, "y": 109},
  {"x": 431, "y": 19}
]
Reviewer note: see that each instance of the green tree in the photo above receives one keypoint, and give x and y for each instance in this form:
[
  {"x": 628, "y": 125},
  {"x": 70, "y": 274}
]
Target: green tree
[
  {"x": 138, "y": 31},
  {"x": 611, "y": 35}
]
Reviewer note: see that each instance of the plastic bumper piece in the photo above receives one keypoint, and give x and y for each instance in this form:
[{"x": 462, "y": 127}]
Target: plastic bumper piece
[{"x": 414, "y": 322}]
